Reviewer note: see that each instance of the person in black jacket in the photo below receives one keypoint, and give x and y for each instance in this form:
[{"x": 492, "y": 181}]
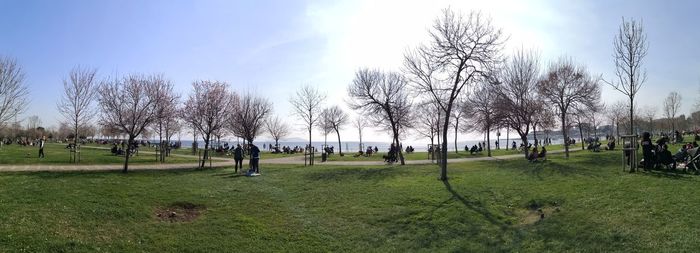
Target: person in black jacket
[
  {"x": 254, "y": 159},
  {"x": 647, "y": 150},
  {"x": 238, "y": 157}
]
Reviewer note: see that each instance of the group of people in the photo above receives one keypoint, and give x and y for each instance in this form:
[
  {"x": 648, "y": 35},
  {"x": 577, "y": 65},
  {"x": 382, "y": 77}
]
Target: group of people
[
  {"x": 239, "y": 153},
  {"x": 536, "y": 155},
  {"x": 392, "y": 156},
  {"x": 120, "y": 149}
]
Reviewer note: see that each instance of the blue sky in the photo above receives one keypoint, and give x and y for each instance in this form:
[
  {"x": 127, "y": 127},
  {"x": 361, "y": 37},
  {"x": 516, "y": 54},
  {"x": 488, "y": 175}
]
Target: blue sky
[{"x": 273, "y": 47}]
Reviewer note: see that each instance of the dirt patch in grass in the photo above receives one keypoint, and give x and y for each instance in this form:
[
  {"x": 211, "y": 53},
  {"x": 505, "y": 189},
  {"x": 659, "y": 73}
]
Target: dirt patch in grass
[
  {"x": 537, "y": 211},
  {"x": 179, "y": 212}
]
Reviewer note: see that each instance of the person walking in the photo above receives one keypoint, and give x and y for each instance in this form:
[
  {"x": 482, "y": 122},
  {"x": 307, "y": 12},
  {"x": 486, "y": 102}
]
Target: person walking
[
  {"x": 255, "y": 159},
  {"x": 41, "y": 146},
  {"x": 238, "y": 157}
]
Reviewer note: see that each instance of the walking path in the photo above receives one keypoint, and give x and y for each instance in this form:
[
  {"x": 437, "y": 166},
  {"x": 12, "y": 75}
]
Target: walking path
[{"x": 218, "y": 162}]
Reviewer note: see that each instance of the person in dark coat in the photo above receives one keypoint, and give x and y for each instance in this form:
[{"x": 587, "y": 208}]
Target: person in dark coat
[
  {"x": 647, "y": 150},
  {"x": 42, "y": 141},
  {"x": 238, "y": 157},
  {"x": 255, "y": 159}
]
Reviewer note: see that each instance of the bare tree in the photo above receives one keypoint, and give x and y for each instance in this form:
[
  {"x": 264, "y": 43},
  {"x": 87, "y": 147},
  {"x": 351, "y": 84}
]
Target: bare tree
[
  {"x": 630, "y": 49},
  {"x": 166, "y": 110},
  {"x": 649, "y": 113},
  {"x": 384, "y": 99},
  {"x": 127, "y": 104},
  {"x": 462, "y": 48},
  {"x": 672, "y": 104},
  {"x": 336, "y": 119},
  {"x": 249, "y": 116},
  {"x": 76, "y": 103},
  {"x": 480, "y": 108},
  {"x": 277, "y": 129},
  {"x": 567, "y": 85},
  {"x": 13, "y": 91},
  {"x": 360, "y": 123},
  {"x": 516, "y": 102},
  {"x": 324, "y": 124},
  {"x": 456, "y": 116},
  {"x": 427, "y": 121},
  {"x": 307, "y": 106},
  {"x": 207, "y": 108}
]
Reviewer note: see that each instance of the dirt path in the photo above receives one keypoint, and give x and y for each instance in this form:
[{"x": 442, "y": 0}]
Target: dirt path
[{"x": 218, "y": 162}]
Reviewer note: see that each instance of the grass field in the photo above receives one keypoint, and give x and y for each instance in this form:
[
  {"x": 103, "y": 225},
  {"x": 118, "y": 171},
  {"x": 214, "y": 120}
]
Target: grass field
[
  {"x": 589, "y": 205},
  {"x": 57, "y": 154}
]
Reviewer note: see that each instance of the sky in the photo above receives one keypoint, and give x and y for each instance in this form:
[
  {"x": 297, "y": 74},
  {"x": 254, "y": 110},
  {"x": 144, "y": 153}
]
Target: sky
[{"x": 272, "y": 48}]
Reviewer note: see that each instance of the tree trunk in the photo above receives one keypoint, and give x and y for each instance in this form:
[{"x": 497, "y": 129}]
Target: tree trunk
[
  {"x": 488, "y": 140},
  {"x": 126, "y": 156},
  {"x": 340, "y": 148},
  {"x": 443, "y": 159},
  {"x": 311, "y": 161},
  {"x": 507, "y": 138},
  {"x": 456, "y": 130},
  {"x": 206, "y": 151},
  {"x": 565, "y": 134},
  {"x": 396, "y": 139},
  {"x": 523, "y": 138},
  {"x": 631, "y": 115},
  {"x": 580, "y": 131},
  {"x": 534, "y": 133}
]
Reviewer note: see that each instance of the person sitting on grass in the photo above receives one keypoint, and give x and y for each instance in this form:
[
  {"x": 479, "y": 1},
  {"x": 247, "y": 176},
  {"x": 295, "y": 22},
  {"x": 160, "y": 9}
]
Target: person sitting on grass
[
  {"x": 543, "y": 154},
  {"x": 665, "y": 157},
  {"x": 611, "y": 145},
  {"x": 473, "y": 150},
  {"x": 533, "y": 155}
]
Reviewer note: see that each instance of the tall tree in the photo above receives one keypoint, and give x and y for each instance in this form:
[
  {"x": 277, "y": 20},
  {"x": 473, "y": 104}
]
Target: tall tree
[
  {"x": 207, "y": 108},
  {"x": 277, "y": 129},
  {"x": 630, "y": 49},
  {"x": 427, "y": 121},
  {"x": 324, "y": 124},
  {"x": 127, "y": 103},
  {"x": 672, "y": 104},
  {"x": 461, "y": 49},
  {"x": 384, "y": 99},
  {"x": 76, "y": 103},
  {"x": 336, "y": 119},
  {"x": 567, "y": 85},
  {"x": 480, "y": 108},
  {"x": 166, "y": 110},
  {"x": 13, "y": 90},
  {"x": 248, "y": 118},
  {"x": 516, "y": 101},
  {"x": 360, "y": 123},
  {"x": 307, "y": 104}
]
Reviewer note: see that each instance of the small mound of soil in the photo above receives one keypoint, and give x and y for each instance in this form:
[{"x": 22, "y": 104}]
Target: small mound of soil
[
  {"x": 532, "y": 216},
  {"x": 179, "y": 212}
]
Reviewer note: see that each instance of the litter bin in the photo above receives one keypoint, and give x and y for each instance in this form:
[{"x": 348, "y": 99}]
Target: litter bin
[{"x": 324, "y": 155}]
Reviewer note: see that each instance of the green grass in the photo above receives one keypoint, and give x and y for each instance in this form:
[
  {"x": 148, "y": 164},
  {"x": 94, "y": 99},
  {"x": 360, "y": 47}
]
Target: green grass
[
  {"x": 56, "y": 154},
  {"x": 360, "y": 209}
]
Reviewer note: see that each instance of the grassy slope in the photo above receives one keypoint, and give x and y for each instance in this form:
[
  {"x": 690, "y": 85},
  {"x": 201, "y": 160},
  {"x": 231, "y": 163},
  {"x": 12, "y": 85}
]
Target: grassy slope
[{"x": 387, "y": 208}]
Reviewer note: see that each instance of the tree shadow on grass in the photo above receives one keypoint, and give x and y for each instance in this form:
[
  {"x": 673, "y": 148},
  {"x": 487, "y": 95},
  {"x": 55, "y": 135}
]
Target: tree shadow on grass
[
  {"x": 474, "y": 206},
  {"x": 672, "y": 174},
  {"x": 342, "y": 174},
  {"x": 102, "y": 173}
]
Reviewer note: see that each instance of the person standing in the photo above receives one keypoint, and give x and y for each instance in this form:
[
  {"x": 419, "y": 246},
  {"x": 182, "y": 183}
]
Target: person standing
[
  {"x": 255, "y": 159},
  {"x": 41, "y": 146},
  {"x": 238, "y": 157}
]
